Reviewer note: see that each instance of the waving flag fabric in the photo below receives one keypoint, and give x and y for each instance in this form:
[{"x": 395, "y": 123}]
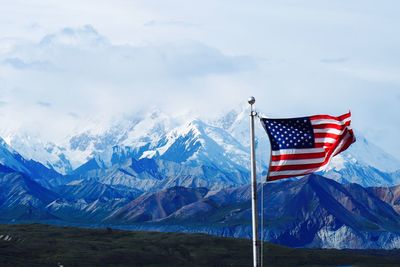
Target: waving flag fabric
[{"x": 305, "y": 145}]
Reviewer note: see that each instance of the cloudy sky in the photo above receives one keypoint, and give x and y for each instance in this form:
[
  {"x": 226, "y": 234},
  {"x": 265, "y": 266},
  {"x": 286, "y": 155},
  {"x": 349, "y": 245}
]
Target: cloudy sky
[{"x": 62, "y": 62}]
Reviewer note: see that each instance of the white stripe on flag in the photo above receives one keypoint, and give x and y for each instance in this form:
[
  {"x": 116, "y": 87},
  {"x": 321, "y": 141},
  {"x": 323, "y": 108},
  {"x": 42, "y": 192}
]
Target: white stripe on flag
[
  {"x": 297, "y": 162},
  {"x": 329, "y": 131},
  {"x": 329, "y": 121},
  {"x": 297, "y": 172},
  {"x": 325, "y": 140},
  {"x": 297, "y": 151}
]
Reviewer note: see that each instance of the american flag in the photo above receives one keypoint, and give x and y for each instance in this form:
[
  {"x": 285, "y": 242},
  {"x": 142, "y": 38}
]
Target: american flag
[{"x": 305, "y": 145}]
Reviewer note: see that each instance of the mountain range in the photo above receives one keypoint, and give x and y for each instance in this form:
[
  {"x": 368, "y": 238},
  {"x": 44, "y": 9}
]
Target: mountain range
[
  {"x": 189, "y": 150},
  {"x": 310, "y": 212},
  {"x": 180, "y": 174}
]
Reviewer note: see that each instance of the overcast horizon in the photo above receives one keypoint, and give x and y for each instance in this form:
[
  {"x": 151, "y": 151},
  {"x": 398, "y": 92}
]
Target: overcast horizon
[{"x": 62, "y": 63}]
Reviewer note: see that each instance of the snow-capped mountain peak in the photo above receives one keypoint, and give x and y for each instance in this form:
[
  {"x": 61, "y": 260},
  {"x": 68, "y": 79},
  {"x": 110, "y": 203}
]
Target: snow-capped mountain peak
[
  {"x": 10, "y": 158},
  {"x": 47, "y": 153},
  {"x": 364, "y": 163},
  {"x": 221, "y": 144},
  {"x": 367, "y": 153}
]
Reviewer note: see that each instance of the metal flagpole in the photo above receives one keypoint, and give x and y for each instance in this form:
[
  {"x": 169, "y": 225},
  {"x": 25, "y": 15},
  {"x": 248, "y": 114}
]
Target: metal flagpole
[{"x": 256, "y": 241}]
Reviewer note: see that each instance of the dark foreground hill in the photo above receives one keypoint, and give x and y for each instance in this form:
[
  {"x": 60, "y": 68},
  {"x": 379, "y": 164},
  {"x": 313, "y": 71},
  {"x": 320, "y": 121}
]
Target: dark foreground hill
[{"x": 43, "y": 245}]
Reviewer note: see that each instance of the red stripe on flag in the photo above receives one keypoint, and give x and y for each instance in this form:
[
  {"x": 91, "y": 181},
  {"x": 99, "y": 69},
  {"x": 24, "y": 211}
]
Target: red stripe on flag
[
  {"x": 329, "y": 117},
  {"x": 329, "y": 126},
  {"x": 296, "y": 167},
  {"x": 297, "y": 156},
  {"x": 323, "y": 135}
]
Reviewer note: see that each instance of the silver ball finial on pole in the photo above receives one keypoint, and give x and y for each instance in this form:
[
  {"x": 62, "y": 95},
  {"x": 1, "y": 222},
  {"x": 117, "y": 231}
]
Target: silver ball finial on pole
[{"x": 251, "y": 100}]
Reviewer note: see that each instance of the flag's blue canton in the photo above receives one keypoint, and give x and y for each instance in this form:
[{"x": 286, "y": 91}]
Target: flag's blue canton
[{"x": 289, "y": 133}]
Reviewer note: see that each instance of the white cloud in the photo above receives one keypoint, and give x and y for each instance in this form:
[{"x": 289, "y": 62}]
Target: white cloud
[
  {"x": 297, "y": 58},
  {"x": 79, "y": 71},
  {"x": 168, "y": 23}
]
